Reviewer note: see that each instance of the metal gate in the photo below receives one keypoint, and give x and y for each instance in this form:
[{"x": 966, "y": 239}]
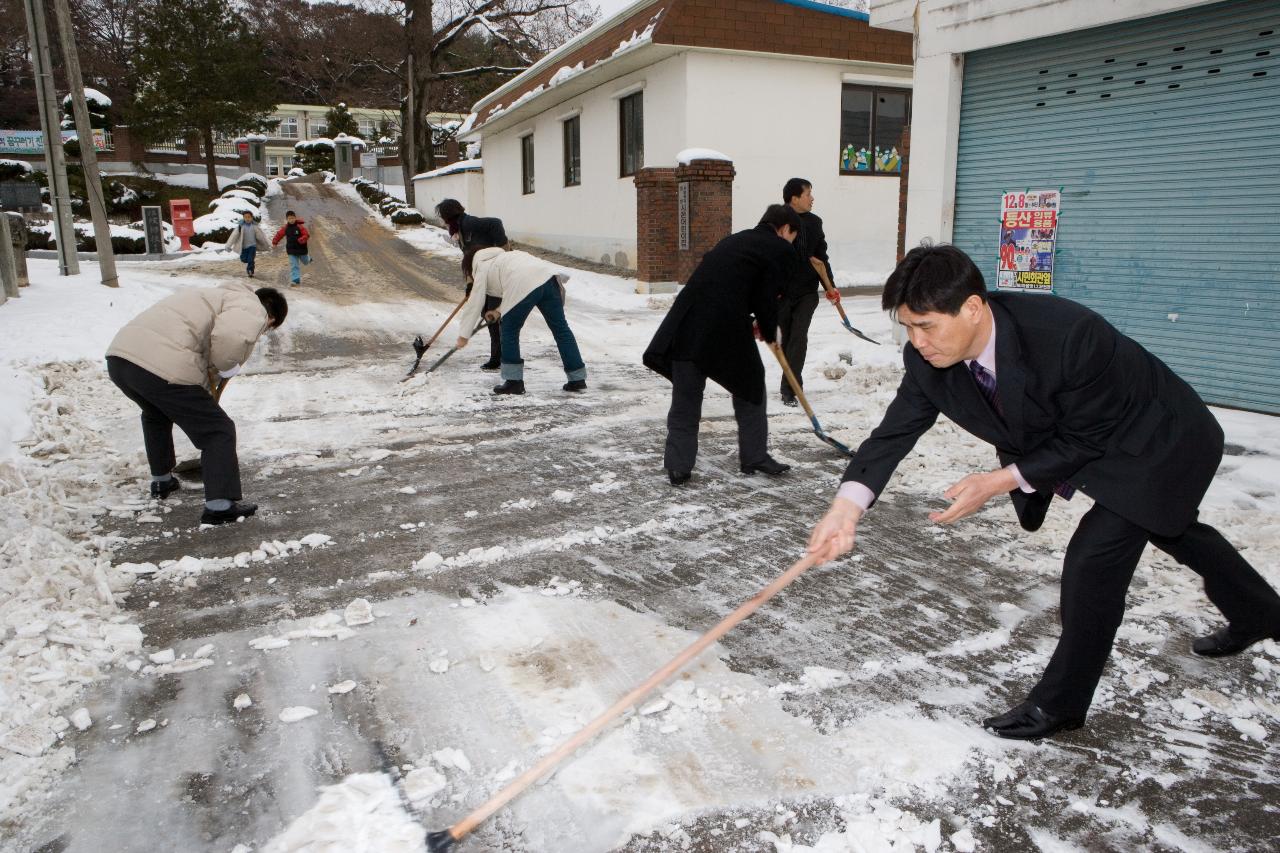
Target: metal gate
[{"x": 1164, "y": 136}]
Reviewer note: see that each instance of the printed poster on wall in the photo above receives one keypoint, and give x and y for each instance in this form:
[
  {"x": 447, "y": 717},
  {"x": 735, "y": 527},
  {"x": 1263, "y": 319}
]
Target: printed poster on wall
[{"x": 1028, "y": 233}]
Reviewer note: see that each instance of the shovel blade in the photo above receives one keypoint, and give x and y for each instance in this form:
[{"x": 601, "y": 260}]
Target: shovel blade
[
  {"x": 821, "y": 433},
  {"x": 850, "y": 327}
]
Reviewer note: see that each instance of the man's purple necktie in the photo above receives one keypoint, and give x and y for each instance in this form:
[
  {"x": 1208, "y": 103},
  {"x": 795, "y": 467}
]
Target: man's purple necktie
[{"x": 987, "y": 385}]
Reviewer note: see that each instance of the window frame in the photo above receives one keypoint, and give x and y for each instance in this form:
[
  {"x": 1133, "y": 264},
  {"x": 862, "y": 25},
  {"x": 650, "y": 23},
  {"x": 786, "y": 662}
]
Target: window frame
[
  {"x": 527, "y": 171},
  {"x": 627, "y": 134},
  {"x": 572, "y": 152},
  {"x": 875, "y": 91},
  {"x": 290, "y": 122}
]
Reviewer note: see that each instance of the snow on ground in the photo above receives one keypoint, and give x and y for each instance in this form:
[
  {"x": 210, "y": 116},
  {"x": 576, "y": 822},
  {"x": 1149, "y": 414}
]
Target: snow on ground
[{"x": 473, "y": 686}]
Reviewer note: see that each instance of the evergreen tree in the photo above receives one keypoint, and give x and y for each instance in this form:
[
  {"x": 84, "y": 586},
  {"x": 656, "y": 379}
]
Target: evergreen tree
[
  {"x": 340, "y": 120},
  {"x": 201, "y": 71}
]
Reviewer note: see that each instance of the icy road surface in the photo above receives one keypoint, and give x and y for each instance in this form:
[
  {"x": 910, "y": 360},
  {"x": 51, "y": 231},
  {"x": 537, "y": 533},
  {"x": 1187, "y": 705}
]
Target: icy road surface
[{"x": 440, "y": 586}]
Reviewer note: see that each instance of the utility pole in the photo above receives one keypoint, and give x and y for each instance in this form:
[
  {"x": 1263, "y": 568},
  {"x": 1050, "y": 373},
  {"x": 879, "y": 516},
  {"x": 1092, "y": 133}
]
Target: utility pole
[
  {"x": 88, "y": 153},
  {"x": 409, "y": 136},
  {"x": 55, "y": 163}
]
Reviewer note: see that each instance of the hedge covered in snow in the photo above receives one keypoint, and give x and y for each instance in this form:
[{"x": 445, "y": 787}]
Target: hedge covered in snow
[{"x": 388, "y": 205}]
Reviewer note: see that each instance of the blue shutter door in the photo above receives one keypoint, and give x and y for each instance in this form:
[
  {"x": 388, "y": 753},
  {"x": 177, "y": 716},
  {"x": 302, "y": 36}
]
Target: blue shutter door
[{"x": 1164, "y": 134}]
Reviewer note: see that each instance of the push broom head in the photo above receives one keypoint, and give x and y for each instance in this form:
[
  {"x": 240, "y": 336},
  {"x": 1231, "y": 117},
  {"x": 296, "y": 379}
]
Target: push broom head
[{"x": 438, "y": 842}]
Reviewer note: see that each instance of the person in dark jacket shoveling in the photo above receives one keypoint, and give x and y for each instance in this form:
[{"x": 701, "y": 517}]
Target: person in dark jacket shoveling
[{"x": 731, "y": 299}]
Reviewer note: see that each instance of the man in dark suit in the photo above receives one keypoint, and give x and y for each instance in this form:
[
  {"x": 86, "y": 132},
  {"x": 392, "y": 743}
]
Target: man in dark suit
[
  {"x": 1070, "y": 405},
  {"x": 710, "y": 332},
  {"x": 800, "y": 293}
]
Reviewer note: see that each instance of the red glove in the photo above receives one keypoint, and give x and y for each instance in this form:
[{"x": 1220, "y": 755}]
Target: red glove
[
  {"x": 833, "y": 296},
  {"x": 755, "y": 330}
]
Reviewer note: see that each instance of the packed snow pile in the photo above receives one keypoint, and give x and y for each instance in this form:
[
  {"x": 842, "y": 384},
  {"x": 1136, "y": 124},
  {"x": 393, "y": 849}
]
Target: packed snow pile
[
  {"x": 361, "y": 814},
  {"x": 60, "y": 627}
]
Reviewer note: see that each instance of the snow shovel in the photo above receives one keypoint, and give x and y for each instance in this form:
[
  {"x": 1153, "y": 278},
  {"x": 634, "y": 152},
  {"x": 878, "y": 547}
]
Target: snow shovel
[
  {"x": 830, "y": 288},
  {"x": 454, "y": 349},
  {"x": 445, "y": 839},
  {"x": 799, "y": 392},
  {"x": 420, "y": 348}
]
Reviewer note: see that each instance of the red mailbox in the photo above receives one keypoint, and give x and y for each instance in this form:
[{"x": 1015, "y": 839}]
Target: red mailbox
[{"x": 183, "y": 227}]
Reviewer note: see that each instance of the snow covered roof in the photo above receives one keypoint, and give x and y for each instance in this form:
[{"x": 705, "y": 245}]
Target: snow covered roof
[
  {"x": 461, "y": 166},
  {"x": 647, "y": 31}
]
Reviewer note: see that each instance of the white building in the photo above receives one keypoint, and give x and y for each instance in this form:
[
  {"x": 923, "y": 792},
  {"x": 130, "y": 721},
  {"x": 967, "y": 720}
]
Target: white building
[
  {"x": 1159, "y": 123},
  {"x": 783, "y": 87}
]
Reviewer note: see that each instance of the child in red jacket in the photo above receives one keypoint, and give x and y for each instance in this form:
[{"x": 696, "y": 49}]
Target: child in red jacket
[{"x": 295, "y": 236}]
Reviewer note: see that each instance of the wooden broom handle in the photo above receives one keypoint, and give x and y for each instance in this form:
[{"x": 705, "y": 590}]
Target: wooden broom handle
[{"x": 465, "y": 826}]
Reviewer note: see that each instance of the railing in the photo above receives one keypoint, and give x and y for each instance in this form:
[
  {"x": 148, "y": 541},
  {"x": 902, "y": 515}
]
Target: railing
[{"x": 169, "y": 146}]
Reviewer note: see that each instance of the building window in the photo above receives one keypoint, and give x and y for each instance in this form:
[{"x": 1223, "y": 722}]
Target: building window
[
  {"x": 367, "y": 128},
  {"x": 289, "y": 127},
  {"x": 572, "y": 152},
  {"x": 631, "y": 133},
  {"x": 318, "y": 129},
  {"x": 871, "y": 123},
  {"x": 526, "y": 163}
]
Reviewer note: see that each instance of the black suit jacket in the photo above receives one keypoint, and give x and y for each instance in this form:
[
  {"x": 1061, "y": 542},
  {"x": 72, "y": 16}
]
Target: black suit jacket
[
  {"x": 710, "y": 321},
  {"x": 1083, "y": 403},
  {"x": 810, "y": 242}
]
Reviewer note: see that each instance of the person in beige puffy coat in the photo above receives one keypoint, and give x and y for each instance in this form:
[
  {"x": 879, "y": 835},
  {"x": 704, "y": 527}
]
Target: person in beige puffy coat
[
  {"x": 245, "y": 240},
  {"x": 167, "y": 359}
]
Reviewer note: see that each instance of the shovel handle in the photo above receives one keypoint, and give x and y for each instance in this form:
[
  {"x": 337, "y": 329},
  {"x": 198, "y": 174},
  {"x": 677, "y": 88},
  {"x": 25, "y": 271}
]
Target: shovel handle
[
  {"x": 792, "y": 380},
  {"x": 446, "y": 322},
  {"x": 828, "y": 286}
]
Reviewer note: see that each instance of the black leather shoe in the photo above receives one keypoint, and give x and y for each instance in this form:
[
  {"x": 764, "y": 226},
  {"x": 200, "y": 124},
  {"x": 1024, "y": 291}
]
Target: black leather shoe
[
  {"x": 768, "y": 465},
  {"x": 575, "y": 385},
  {"x": 678, "y": 478},
  {"x": 1029, "y": 722},
  {"x": 222, "y": 516},
  {"x": 1227, "y": 641},
  {"x": 491, "y": 364},
  {"x": 511, "y": 386},
  {"x": 789, "y": 401},
  {"x": 162, "y": 490}
]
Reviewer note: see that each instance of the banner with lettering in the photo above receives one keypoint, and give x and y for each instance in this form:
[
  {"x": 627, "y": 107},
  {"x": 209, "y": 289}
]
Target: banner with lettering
[
  {"x": 32, "y": 141},
  {"x": 1028, "y": 234}
]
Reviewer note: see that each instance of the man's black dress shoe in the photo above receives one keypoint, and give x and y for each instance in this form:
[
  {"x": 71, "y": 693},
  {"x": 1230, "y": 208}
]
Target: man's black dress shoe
[
  {"x": 1029, "y": 722},
  {"x": 161, "y": 489},
  {"x": 223, "y": 516},
  {"x": 1227, "y": 641},
  {"x": 678, "y": 478},
  {"x": 768, "y": 465}
]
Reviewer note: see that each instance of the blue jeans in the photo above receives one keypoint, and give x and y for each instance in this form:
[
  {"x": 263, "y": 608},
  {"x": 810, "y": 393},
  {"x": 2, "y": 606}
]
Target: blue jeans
[
  {"x": 547, "y": 300},
  {"x": 247, "y": 256},
  {"x": 295, "y": 268}
]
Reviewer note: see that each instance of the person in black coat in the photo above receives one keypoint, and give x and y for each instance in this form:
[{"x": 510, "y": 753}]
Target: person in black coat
[
  {"x": 1070, "y": 404},
  {"x": 477, "y": 232},
  {"x": 800, "y": 295},
  {"x": 710, "y": 332}
]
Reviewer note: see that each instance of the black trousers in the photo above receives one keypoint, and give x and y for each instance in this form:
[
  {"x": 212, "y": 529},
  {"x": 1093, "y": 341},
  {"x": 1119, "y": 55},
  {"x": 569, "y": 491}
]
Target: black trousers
[
  {"x": 193, "y": 409},
  {"x": 687, "y": 386},
  {"x": 1099, "y": 564},
  {"x": 794, "y": 315},
  {"x": 495, "y": 334}
]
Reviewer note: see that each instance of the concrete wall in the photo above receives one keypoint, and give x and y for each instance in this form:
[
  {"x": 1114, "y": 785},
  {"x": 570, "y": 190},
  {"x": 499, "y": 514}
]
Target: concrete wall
[
  {"x": 597, "y": 219},
  {"x": 466, "y": 187},
  {"x": 783, "y": 121}
]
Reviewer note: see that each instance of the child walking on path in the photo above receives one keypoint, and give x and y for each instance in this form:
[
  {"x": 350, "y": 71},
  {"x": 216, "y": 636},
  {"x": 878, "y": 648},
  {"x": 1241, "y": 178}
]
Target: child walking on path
[
  {"x": 523, "y": 283},
  {"x": 246, "y": 240},
  {"x": 295, "y": 236}
]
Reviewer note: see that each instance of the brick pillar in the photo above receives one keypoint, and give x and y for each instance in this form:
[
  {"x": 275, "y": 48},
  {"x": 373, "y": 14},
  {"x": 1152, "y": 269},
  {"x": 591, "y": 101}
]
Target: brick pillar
[
  {"x": 905, "y": 150},
  {"x": 450, "y": 151},
  {"x": 194, "y": 154},
  {"x": 128, "y": 147},
  {"x": 710, "y": 210},
  {"x": 656, "y": 231}
]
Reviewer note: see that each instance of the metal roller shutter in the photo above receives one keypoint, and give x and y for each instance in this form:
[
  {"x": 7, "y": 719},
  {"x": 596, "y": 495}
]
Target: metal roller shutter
[{"x": 1164, "y": 135}]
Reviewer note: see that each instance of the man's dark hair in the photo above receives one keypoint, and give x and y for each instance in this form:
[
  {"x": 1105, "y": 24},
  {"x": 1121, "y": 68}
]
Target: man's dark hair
[
  {"x": 777, "y": 215},
  {"x": 289, "y": 213},
  {"x": 933, "y": 279},
  {"x": 794, "y": 188},
  {"x": 450, "y": 209},
  {"x": 275, "y": 303}
]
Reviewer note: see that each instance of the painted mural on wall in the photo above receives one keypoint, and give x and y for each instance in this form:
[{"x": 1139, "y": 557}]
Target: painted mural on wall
[
  {"x": 1028, "y": 235},
  {"x": 860, "y": 159}
]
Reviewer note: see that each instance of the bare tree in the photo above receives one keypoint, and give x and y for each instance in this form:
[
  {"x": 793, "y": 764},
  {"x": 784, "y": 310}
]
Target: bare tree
[{"x": 517, "y": 31}]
